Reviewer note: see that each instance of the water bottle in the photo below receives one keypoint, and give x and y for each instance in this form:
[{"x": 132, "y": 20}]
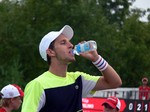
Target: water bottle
[{"x": 85, "y": 47}]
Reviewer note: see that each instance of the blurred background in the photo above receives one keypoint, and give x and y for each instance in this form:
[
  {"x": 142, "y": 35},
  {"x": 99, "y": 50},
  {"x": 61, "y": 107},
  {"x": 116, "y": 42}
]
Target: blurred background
[{"x": 122, "y": 38}]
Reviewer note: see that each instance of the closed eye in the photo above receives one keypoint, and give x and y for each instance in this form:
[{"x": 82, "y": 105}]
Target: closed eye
[{"x": 63, "y": 42}]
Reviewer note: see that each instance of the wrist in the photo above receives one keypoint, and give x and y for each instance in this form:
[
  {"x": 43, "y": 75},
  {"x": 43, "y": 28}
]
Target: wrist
[
  {"x": 95, "y": 58},
  {"x": 100, "y": 63}
]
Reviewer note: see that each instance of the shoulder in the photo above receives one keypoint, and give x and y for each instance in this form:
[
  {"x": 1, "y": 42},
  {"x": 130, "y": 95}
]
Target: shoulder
[
  {"x": 84, "y": 75},
  {"x": 2, "y": 110},
  {"x": 77, "y": 74},
  {"x": 39, "y": 79},
  {"x": 140, "y": 87}
]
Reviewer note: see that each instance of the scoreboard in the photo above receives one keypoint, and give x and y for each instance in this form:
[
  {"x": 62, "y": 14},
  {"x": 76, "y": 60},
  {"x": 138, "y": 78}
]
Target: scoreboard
[
  {"x": 137, "y": 106},
  {"x": 127, "y": 105}
]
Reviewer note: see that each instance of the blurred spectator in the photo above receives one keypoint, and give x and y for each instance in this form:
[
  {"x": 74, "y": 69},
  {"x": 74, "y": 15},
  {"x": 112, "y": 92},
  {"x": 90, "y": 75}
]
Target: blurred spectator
[
  {"x": 144, "y": 90},
  {"x": 112, "y": 104},
  {"x": 10, "y": 98}
]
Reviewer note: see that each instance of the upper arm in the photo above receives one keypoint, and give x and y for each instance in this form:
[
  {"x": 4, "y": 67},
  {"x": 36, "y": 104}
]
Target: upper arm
[
  {"x": 101, "y": 84},
  {"x": 109, "y": 80}
]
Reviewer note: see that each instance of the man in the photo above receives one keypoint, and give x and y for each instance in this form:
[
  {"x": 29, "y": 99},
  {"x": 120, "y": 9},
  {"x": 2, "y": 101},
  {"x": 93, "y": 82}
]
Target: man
[
  {"x": 11, "y": 98},
  {"x": 112, "y": 104},
  {"x": 58, "y": 90},
  {"x": 144, "y": 90}
]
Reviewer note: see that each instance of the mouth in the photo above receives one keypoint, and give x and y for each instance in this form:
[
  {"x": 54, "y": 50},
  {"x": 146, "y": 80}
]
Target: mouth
[{"x": 71, "y": 52}]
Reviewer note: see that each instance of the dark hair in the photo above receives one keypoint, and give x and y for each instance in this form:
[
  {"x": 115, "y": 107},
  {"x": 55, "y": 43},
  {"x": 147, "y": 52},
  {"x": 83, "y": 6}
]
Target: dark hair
[
  {"x": 1, "y": 95},
  {"x": 51, "y": 46}
]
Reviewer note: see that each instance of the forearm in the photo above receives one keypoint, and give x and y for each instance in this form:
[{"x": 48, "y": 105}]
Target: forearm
[{"x": 110, "y": 78}]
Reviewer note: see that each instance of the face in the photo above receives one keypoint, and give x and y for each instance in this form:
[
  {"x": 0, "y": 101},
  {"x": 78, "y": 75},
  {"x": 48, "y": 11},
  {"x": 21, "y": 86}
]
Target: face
[
  {"x": 145, "y": 82},
  {"x": 16, "y": 102},
  {"x": 108, "y": 108},
  {"x": 63, "y": 50}
]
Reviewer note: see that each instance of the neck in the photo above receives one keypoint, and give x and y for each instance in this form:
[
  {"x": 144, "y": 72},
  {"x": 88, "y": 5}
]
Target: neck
[{"x": 58, "y": 69}]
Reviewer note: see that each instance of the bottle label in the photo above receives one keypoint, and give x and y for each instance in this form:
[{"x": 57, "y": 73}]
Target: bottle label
[
  {"x": 78, "y": 48},
  {"x": 84, "y": 47}
]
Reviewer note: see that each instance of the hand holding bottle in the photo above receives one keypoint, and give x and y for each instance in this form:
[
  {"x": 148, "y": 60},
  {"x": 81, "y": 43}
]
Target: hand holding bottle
[
  {"x": 85, "y": 47},
  {"x": 87, "y": 50}
]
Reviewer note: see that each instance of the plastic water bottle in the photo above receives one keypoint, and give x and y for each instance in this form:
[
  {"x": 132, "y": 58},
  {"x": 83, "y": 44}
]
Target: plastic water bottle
[{"x": 85, "y": 47}]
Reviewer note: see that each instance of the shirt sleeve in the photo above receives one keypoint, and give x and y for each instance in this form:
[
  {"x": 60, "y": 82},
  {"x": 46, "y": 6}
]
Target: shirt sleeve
[{"x": 34, "y": 98}]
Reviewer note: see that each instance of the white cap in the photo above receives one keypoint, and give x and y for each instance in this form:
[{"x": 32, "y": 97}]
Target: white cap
[
  {"x": 11, "y": 91},
  {"x": 51, "y": 36}
]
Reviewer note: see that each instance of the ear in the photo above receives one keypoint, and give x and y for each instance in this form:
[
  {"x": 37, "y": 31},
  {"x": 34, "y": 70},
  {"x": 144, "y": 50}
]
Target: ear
[
  {"x": 12, "y": 100},
  {"x": 50, "y": 52}
]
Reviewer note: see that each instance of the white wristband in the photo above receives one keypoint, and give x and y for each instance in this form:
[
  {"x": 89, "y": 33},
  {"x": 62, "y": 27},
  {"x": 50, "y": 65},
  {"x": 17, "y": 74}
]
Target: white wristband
[
  {"x": 101, "y": 64},
  {"x": 97, "y": 61}
]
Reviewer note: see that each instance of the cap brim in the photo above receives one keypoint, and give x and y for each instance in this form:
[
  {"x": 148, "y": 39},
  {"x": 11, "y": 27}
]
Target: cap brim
[
  {"x": 144, "y": 79},
  {"x": 67, "y": 31},
  {"x": 110, "y": 104}
]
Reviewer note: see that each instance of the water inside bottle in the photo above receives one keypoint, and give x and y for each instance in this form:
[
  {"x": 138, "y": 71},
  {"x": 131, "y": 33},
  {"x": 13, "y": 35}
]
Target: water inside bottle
[{"x": 84, "y": 47}]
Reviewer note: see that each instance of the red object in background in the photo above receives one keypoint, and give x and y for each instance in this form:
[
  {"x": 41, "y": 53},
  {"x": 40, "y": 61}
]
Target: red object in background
[
  {"x": 144, "y": 92},
  {"x": 127, "y": 105},
  {"x": 95, "y": 104}
]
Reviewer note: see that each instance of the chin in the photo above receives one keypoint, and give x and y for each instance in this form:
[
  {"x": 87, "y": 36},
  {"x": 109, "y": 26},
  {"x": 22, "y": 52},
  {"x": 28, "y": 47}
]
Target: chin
[{"x": 70, "y": 61}]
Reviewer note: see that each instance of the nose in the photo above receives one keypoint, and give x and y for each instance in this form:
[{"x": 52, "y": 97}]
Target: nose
[{"x": 70, "y": 45}]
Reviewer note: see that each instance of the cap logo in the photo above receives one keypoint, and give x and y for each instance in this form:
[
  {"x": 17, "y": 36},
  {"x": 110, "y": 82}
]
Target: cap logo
[{"x": 11, "y": 94}]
